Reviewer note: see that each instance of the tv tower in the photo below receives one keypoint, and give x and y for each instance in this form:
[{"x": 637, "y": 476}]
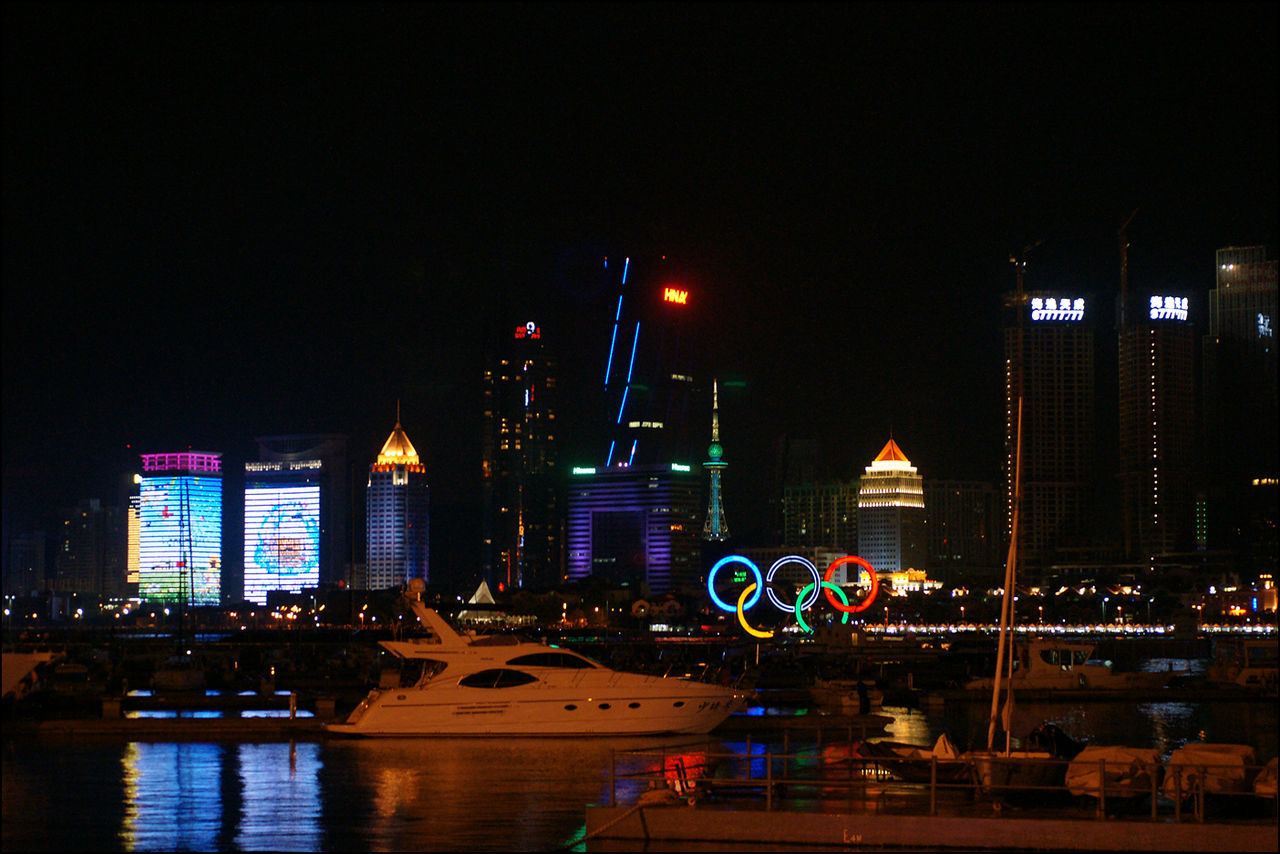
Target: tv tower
[{"x": 715, "y": 528}]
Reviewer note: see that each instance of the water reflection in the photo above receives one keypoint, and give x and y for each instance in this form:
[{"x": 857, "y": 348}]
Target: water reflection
[
  {"x": 458, "y": 794},
  {"x": 193, "y": 796},
  {"x": 169, "y": 802}
]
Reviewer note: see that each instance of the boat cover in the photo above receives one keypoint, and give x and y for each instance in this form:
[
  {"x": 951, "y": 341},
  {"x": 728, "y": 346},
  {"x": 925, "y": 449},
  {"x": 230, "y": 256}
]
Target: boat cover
[
  {"x": 1129, "y": 770},
  {"x": 1216, "y": 767}
]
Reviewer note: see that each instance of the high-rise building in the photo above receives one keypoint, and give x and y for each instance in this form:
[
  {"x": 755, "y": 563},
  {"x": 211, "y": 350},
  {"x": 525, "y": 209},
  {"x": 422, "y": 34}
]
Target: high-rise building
[
  {"x": 82, "y": 541},
  {"x": 1157, "y": 428},
  {"x": 635, "y": 516},
  {"x": 716, "y": 527},
  {"x": 1240, "y": 404},
  {"x": 1049, "y": 368},
  {"x": 891, "y": 520},
  {"x": 648, "y": 378},
  {"x": 282, "y": 504},
  {"x": 397, "y": 516},
  {"x": 320, "y": 460},
  {"x": 821, "y": 515},
  {"x": 520, "y": 478},
  {"x": 963, "y": 524},
  {"x": 180, "y": 534},
  {"x": 24, "y": 564},
  {"x": 636, "y": 526}
]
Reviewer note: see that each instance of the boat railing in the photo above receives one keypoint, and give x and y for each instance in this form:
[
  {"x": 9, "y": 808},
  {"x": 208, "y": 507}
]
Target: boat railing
[{"x": 819, "y": 779}]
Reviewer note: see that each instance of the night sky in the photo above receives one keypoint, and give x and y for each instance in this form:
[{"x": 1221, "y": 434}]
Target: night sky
[{"x": 226, "y": 221}]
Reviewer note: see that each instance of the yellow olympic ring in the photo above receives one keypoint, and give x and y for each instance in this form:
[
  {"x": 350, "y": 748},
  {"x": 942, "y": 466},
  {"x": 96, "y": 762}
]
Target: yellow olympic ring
[{"x": 742, "y": 618}]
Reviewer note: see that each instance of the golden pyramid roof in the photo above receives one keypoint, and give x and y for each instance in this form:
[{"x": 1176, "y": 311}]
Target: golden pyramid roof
[
  {"x": 892, "y": 453},
  {"x": 398, "y": 449}
]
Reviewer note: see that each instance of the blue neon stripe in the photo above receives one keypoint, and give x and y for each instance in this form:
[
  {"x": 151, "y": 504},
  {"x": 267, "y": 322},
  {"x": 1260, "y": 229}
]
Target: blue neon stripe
[
  {"x": 609, "y": 461},
  {"x": 635, "y": 341},
  {"x": 632, "y": 459},
  {"x": 625, "y": 265}
]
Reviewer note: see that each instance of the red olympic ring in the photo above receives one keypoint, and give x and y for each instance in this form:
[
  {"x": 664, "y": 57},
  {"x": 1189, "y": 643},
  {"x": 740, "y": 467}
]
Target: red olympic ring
[{"x": 866, "y": 603}]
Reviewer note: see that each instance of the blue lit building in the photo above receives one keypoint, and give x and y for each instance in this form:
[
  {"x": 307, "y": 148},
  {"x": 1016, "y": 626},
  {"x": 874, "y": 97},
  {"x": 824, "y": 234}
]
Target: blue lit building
[
  {"x": 398, "y": 516},
  {"x": 180, "y": 528},
  {"x": 635, "y": 526}
]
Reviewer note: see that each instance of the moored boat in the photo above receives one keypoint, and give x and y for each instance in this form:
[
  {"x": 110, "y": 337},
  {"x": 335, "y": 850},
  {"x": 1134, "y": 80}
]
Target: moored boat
[
  {"x": 1211, "y": 768},
  {"x": 914, "y": 763},
  {"x": 1114, "y": 772},
  {"x": 454, "y": 684}
]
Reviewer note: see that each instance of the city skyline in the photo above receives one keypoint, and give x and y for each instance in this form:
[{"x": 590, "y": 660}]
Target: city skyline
[{"x": 223, "y": 222}]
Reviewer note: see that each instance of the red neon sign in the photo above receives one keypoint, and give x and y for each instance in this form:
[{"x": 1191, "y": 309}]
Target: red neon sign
[{"x": 675, "y": 295}]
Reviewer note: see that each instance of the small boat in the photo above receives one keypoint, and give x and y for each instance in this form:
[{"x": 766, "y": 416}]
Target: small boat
[
  {"x": 21, "y": 670},
  {"x": 455, "y": 684},
  {"x": 1212, "y": 768},
  {"x": 1114, "y": 772},
  {"x": 178, "y": 674},
  {"x": 846, "y": 696},
  {"x": 917, "y": 764},
  {"x": 1251, "y": 663}
]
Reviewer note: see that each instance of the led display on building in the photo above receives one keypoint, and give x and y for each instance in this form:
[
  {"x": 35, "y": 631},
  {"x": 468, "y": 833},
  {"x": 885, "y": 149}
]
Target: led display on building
[
  {"x": 180, "y": 538},
  {"x": 281, "y": 539},
  {"x": 1054, "y": 308},
  {"x": 1169, "y": 308}
]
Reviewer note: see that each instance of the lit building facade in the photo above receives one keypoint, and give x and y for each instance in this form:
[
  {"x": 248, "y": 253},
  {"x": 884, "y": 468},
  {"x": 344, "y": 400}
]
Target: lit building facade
[
  {"x": 520, "y": 477},
  {"x": 891, "y": 519},
  {"x": 1157, "y": 428},
  {"x": 324, "y": 459},
  {"x": 1049, "y": 364},
  {"x": 636, "y": 526},
  {"x": 281, "y": 527},
  {"x": 180, "y": 528},
  {"x": 398, "y": 516}
]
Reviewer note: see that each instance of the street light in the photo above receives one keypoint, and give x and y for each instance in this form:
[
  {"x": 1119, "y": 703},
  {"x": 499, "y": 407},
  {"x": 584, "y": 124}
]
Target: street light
[{"x": 1105, "y": 600}]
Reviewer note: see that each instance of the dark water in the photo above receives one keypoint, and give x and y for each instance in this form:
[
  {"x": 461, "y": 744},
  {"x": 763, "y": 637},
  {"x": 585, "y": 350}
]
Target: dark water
[{"x": 440, "y": 794}]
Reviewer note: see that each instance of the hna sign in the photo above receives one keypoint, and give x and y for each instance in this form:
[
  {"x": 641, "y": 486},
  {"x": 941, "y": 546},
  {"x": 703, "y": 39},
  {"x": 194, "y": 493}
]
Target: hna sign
[{"x": 675, "y": 295}]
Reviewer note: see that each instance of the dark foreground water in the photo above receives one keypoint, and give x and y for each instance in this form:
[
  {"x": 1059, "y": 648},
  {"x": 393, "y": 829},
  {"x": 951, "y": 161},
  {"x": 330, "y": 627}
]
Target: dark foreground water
[{"x": 441, "y": 794}]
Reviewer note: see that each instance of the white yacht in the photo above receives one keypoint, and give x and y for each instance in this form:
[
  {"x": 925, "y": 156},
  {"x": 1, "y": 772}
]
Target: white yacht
[{"x": 455, "y": 684}]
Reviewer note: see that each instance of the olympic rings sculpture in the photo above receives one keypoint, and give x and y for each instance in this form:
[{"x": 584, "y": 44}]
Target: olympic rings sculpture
[{"x": 808, "y": 596}]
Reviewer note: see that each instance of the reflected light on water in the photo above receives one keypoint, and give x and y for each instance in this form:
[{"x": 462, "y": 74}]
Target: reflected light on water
[{"x": 187, "y": 796}]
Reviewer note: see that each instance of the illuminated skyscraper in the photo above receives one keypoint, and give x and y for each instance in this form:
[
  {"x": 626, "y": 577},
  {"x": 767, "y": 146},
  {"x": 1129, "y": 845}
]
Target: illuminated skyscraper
[
  {"x": 634, "y": 517},
  {"x": 891, "y": 521},
  {"x": 398, "y": 515},
  {"x": 318, "y": 460},
  {"x": 1157, "y": 426},
  {"x": 281, "y": 527},
  {"x": 180, "y": 537},
  {"x": 715, "y": 528},
  {"x": 520, "y": 478},
  {"x": 1240, "y": 405},
  {"x": 1049, "y": 363},
  {"x": 649, "y": 373}
]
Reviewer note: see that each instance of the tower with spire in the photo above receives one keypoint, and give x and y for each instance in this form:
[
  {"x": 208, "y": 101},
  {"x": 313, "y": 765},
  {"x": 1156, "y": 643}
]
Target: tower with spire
[
  {"x": 715, "y": 528},
  {"x": 398, "y": 514}
]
